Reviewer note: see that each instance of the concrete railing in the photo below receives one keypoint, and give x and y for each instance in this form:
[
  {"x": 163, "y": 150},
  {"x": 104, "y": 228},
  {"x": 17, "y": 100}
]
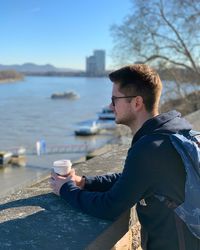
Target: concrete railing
[{"x": 35, "y": 218}]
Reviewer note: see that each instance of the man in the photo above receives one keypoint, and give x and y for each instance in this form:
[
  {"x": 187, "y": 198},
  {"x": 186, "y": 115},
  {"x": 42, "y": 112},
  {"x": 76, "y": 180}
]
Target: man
[{"x": 152, "y": 166}]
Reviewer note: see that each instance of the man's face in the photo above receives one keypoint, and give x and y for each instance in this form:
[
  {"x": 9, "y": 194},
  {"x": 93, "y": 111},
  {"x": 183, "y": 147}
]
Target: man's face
[{"x": 122, "y": 107}]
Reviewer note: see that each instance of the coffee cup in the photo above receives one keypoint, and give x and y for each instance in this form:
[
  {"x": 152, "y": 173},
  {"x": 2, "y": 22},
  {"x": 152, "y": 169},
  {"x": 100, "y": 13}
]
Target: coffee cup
[{"x": 62, "y": 167}]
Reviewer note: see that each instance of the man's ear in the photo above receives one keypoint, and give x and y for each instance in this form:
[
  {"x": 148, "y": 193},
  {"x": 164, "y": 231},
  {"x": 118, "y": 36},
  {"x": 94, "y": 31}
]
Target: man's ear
[{"x": 137, "y": 103}]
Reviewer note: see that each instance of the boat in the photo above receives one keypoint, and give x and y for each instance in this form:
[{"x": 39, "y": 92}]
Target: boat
[
  {"x": 106, "y": 114},
  {"x": 5, "y": 157},
  {"x": 18, "y": 158},
  {"x": 65, "y": 95},
  {"x": 106, "y": 124},
  {"x": 87, "y": 128}
]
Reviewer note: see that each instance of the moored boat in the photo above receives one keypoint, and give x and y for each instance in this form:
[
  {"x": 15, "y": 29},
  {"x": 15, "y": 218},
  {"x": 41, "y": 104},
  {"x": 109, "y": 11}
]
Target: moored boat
[
  {"x": 5, "y": 157},
  {"x": 106, "y": 114},
  {"x": 65, "y": 95},
  {"x": 87, "y": 129}
]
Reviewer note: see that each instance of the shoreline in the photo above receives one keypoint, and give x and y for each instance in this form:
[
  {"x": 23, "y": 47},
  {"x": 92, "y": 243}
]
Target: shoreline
[
  {"x": 10, "y": 80},
  {"x": 39, "y": 168}
]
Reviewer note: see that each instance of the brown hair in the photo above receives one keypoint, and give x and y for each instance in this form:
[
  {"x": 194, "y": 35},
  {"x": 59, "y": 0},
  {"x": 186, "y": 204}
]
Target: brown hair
[{"x": 141, "y": 80}]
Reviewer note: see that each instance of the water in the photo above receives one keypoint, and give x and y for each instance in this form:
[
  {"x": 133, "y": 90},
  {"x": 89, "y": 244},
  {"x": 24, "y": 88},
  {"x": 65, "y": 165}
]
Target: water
[{"x": 29, "y": 114}]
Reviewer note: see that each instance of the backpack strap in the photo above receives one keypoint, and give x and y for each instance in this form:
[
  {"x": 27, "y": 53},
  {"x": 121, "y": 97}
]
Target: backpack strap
[
  {"x": 179, "y": 224},
  {"x": 195, "y": 136},
  {"x": 166, "y": 201},
  {"x": 179, "y": 227}
]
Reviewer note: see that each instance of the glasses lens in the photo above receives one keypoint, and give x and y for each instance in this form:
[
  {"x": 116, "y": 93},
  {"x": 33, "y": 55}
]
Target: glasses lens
[{"x": 113, "y": 98}]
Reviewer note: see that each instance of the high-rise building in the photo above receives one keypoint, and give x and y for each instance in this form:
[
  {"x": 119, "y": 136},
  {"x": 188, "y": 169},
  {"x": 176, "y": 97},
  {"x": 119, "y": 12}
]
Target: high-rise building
[{"x": 95, "y": 64}]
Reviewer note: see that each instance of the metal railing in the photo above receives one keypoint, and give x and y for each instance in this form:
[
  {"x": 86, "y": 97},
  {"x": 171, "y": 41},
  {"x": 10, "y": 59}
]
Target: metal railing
[{"x": 52, "y": 149}]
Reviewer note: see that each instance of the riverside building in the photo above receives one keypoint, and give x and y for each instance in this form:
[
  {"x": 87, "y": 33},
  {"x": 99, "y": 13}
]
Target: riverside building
[{"x": 95, "y": 64}]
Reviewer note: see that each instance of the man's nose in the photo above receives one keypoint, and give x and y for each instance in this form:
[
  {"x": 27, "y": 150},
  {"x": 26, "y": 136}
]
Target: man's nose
[{"x": 111, "y": 106}]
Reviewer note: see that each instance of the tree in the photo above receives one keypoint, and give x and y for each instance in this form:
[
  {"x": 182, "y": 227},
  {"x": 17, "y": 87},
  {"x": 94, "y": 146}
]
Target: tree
[{"x": 161, "y": 33}]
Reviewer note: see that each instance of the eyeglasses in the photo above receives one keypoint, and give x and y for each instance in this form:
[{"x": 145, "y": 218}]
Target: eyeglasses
[{"x": 113, "y": 98}]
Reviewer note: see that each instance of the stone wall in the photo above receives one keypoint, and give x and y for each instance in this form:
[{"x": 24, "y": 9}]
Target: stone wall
[{"x": 35, "y": 218}]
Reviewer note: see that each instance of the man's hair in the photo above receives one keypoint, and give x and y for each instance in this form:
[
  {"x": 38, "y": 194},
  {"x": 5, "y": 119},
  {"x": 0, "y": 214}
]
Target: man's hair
[{"x": 139, "y": 79}]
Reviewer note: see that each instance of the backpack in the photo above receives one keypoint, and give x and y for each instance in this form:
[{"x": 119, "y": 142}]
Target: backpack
[{"x": 188, "y": 147}]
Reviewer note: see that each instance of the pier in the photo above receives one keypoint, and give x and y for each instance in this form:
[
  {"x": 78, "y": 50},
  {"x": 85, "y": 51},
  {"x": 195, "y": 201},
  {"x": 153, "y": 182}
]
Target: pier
[{"x": 53, "y": 149}]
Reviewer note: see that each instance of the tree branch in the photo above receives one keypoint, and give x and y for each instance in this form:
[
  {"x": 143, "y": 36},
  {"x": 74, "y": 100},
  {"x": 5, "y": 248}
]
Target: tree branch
[
  {"x": 154, "y": 57},
  {"x": 187, "y": 53}
]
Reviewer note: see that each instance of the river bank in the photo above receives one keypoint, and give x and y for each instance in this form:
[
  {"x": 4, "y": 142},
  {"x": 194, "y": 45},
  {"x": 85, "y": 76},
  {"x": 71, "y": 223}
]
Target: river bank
[
  {"x": 7, "y": 76},
  {"x": 10, "y": 80},
  {"x": 185, "y": 105}
]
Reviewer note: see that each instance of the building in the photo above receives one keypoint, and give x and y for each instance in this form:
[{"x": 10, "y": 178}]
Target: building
[{"x": 95, "y": 64}]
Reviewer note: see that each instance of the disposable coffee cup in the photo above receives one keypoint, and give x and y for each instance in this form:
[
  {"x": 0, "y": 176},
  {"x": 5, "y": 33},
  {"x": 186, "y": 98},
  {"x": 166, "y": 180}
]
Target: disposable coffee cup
[{"x": 62, "y": 167}]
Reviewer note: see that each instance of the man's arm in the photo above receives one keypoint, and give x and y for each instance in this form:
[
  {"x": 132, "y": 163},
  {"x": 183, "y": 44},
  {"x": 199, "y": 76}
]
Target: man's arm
[
  {"x": 101, "y": 183},
  {"x": 132, "y": 185}
]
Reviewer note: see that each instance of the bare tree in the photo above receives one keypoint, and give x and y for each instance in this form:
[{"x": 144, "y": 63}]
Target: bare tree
[{"x": 161, "y": 32}]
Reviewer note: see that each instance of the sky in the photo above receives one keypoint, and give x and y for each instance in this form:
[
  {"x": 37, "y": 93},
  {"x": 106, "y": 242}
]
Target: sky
[{"x": 59, "y": 32}]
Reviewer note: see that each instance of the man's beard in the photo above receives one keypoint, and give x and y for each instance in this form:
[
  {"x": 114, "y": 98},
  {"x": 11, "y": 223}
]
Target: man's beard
[{"x": 127, "y": 121}]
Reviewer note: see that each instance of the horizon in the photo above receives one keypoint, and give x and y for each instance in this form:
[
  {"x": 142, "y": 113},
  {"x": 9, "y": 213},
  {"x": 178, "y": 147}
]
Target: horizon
[
  {"x": 60, "y": 33},
  {"x": 36, "y": 64},
  {"x": 43, "y": 65}
]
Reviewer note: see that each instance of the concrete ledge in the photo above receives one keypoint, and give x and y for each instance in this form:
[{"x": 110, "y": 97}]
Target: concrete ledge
[
  {"x": 112, "y": 234},
  {"x": 35, "y": 218}
]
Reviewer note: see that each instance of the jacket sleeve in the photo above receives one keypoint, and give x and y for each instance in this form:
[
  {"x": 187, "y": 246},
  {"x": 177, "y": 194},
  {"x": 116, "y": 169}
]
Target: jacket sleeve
[
  {"x": 133, "y": 184},
  {"x": 101, "y": 183}
]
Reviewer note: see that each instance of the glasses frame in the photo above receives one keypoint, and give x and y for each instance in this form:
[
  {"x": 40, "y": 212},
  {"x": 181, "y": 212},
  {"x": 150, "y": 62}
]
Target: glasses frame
[{"x": 113, "y": 98}]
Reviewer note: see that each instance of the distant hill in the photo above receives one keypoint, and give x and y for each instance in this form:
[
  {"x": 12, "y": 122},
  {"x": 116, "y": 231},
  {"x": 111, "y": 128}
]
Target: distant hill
[{"x": 35, "y": 68}]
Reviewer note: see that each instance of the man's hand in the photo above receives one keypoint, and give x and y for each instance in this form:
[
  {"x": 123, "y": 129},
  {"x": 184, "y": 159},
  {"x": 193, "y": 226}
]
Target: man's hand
[
  {"x": 57, "y": 181},
  {"x": 79, "y": 180}
]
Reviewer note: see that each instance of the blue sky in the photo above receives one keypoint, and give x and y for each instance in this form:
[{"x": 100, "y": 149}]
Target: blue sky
[{"x": 59, "y": 32}]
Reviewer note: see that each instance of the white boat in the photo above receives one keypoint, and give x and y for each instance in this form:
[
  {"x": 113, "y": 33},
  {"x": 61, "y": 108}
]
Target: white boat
[
  {"x": 5, "y": 157},
  {"x": 106, "y": 114},
  {"x": 88, "y": 129},
  {"x": 106, "y": 124},
  {"x": 65, "y": 95}
]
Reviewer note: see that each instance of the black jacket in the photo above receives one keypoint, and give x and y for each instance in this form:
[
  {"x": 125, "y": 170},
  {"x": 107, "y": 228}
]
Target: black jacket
[{"x": 152, "y": 167}]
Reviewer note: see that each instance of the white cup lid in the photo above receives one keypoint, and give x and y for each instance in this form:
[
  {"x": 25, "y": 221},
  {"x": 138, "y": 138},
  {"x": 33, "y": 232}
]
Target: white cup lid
[{"x": 64, "y": 162}]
